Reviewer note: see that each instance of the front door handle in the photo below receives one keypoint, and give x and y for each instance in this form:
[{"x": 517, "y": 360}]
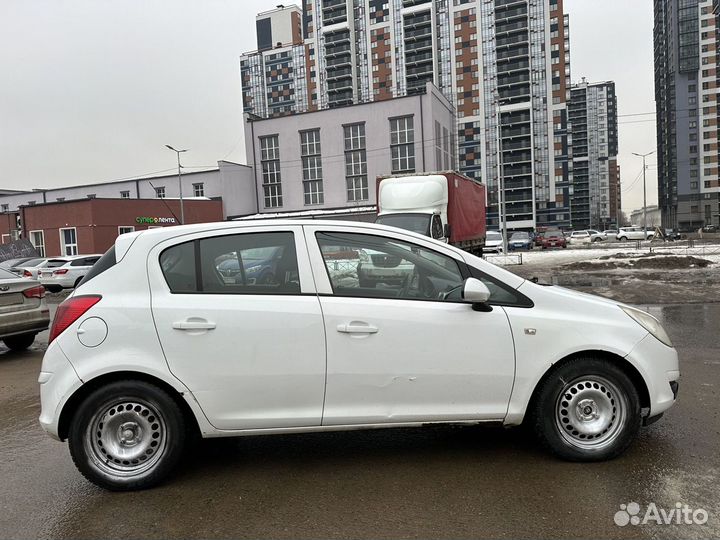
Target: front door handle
[
  {"x": 356, "y": 328},
  {"x": 194, "y": 325}
]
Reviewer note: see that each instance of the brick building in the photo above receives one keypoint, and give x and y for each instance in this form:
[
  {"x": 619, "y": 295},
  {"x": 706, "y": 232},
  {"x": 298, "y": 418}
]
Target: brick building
[{"x": 91, "y": 225}]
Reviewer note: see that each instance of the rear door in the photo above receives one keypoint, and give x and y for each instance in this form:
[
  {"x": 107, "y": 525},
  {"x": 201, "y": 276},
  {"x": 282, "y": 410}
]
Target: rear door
[{"x": 240, "y": 325}]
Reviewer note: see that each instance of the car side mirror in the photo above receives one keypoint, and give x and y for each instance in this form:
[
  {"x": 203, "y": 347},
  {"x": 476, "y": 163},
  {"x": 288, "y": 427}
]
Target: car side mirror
[{"x": 475, "y": 292}]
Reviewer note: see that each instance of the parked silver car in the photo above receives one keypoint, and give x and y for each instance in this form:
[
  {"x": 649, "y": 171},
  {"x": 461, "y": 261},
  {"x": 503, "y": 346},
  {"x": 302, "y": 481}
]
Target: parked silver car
[{"x": 23, "y": 312}]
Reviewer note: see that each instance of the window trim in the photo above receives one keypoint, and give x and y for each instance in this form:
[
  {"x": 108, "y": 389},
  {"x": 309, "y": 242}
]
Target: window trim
[
  {"x": 63, "y": 252},
  {"x": 198, "y": 264},
  {"x": 42, "y": 234}
]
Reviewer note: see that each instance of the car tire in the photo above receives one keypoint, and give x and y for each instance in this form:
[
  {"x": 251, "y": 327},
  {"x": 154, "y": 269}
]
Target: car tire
[
  {"x": 19, "y": 343},
  {"x": 77, "y": 282},
  {"x": 53, "y": 288},
  {"x": 623, "y": 238},
  {"x": 127, "y": 435},
  {"x": 587, "y": 410}
]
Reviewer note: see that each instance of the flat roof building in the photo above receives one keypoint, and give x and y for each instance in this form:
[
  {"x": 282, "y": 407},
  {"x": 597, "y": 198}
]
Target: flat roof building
[{"x": 329, "y": 159}]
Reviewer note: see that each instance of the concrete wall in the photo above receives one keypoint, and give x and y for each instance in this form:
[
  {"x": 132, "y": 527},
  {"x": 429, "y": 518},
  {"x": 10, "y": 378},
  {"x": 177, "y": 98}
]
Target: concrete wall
[{"x": 425, "y": 110}]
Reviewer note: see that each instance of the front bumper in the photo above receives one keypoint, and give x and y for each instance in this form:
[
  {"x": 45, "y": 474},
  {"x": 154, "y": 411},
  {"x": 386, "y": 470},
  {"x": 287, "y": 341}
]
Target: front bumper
[{"x": 659, "y": 366}]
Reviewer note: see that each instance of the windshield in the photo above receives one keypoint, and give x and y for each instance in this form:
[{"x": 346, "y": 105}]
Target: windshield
[
  {"x": 492, "y": 235},
  {"x": 520, "y": 236},
  {"x": 419, "y": 223}
]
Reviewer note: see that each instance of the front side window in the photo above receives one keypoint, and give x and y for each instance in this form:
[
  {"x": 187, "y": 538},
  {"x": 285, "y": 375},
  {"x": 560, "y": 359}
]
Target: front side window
[
  {"x": 256, "y": 263},
  {"x": 379, "y": 267},
  {"x": 311, "y": 166},
  {"x": 68, "y": 241},
  {"x": 402, "y": 144},
  {"x": 270, "y": 164}
]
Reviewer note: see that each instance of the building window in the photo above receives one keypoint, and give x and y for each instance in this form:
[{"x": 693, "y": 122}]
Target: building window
[
  {"x": 355, "y": 163},
  {"x": 124, "y": 194},
  {"x": 37, "y": 239},
  {"x": 160, "y": 192},
  {"x": 5, "y": 207},
  {"x": 402, "y": 144},
  {"x": 199, "y": 190},
  {"x": 124, "y": 229},
  {"x": 311, "y": 166},
  {"x": 68, "y": 242},
  {"x": 92, "y": 195},
  {"x": 270, "y": 162}
]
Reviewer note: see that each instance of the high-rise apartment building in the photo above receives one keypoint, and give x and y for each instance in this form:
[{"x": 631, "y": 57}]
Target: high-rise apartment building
[
  {"x": 686, "y": 99},
  {"x": 504, "y": 64},
  {"x": 596, "y": 182}
]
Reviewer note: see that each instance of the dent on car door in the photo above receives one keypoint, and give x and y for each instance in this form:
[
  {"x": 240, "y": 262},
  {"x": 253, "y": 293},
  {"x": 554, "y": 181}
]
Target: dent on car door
[
  {"x": 241, "y": 326},
  {"x": 403, "y": 348}
]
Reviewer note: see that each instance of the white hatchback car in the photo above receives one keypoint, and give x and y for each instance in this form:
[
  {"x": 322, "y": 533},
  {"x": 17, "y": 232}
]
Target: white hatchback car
[
  {"x": 157, "y": 346},
  {"x": 65, "y": 272},
  {"x": 633, "y": 233}
]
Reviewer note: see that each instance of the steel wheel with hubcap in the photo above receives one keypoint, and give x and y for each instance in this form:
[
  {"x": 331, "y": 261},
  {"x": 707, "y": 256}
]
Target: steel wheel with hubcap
[
  {"x": 127, "y": 435},
  {"x": 587, "y": 410}
]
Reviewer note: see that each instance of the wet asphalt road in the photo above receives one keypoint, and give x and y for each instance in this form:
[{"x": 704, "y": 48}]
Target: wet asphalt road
[{"x": 436, "y": 482}]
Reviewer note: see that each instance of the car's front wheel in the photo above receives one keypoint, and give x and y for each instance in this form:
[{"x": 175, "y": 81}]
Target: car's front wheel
[
  {"x": 19, "y": 343},
  {"x": 127, "y": 435},
  {"x": 587, "y": 410}
]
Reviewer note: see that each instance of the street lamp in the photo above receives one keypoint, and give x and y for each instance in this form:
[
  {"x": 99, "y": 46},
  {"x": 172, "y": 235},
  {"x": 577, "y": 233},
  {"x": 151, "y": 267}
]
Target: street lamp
[
  {"x": 501, "y": 175},
  {"x": 643, "y": 156},
  {"x": 182, "y": 206}
]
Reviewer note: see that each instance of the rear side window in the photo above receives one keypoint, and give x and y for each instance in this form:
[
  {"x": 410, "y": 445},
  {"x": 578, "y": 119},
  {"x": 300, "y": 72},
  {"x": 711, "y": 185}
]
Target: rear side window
[
  {"x": 249, "y": 263},
  {"x": 102, "y": 264}
]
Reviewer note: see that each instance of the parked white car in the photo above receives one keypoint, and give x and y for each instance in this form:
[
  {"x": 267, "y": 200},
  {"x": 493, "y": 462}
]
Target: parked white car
[
  {"x": 65, "y": 272},
  {"x": 156, "y": 346},
  {"x": 579, "y": 237},
  {"x": 32, "y": 270},
  {"x": 23, "y": 312},
  {"x": 633, "y": 233},
  {"x": 493, "y": 242}
]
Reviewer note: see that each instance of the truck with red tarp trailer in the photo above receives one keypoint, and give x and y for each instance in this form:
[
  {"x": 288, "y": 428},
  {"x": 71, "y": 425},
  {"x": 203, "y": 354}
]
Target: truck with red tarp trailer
[{"x": 447, "y": 206}]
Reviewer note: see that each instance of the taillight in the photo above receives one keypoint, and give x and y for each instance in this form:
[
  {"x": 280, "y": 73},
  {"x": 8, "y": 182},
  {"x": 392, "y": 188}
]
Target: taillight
[
  {"x": 70, "y": 311},
  {"x": 61, "y": 271},
  {"x": 34, "y": 292},
  {"x": 27, "y": 273}
]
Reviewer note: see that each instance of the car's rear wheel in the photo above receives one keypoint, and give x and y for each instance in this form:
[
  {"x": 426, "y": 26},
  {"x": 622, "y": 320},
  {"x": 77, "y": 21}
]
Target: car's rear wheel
[
  {"x": 127, "y": 435},
  {"x": 19, "y": 343},
  {"x": 587, "y": 410},
  {"x": 77, "y": 282},
  {"x": 623, "y": 238}
]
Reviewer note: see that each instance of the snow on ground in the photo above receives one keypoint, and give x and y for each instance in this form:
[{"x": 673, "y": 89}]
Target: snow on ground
[{"x": 558, "y": 257}]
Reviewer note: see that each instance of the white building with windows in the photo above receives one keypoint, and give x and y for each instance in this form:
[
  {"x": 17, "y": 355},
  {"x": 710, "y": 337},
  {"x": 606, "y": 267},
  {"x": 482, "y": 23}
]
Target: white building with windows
[
  {"x": 230, "y": 181},
  {"x": 330, "y": 159}
]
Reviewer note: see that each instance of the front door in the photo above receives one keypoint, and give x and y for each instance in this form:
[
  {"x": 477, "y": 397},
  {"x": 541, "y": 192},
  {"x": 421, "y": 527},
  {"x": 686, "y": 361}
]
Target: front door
[
  {"x": 241, "y": 327},
  {"x": 401, "y": 346}
]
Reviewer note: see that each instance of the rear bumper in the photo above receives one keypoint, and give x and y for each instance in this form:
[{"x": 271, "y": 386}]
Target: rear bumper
[
  {"x": 58, "y": 381},
  {"x": 24, "y": 322}
]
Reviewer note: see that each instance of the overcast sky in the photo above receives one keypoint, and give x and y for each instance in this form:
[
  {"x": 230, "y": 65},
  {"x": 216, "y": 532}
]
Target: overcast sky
[{"x": 92, "y": 90}]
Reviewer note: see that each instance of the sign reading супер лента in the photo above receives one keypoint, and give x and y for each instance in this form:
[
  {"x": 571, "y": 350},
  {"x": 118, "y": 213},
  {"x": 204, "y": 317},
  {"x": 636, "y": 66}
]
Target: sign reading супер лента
[{"x": 154, "y": 220}]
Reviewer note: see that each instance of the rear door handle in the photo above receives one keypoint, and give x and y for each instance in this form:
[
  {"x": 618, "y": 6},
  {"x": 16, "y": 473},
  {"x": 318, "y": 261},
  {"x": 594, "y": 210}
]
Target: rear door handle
[
  {"x": 357, "y": 328},
  {"x": 194, "y": 325}
]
